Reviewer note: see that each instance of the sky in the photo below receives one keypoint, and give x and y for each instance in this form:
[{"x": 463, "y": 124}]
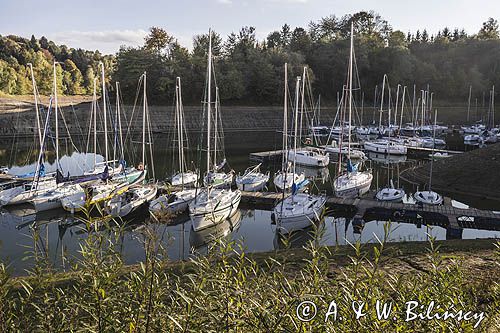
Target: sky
[{"x": 107, "y": 24}]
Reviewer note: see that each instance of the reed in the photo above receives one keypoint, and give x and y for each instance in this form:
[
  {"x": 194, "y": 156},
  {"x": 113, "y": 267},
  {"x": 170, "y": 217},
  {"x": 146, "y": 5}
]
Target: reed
[{"x": 228, "y": 290}]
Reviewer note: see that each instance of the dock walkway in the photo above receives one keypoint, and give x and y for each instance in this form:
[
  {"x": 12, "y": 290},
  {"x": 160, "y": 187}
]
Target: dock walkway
[{"x": 368, "y": 209}]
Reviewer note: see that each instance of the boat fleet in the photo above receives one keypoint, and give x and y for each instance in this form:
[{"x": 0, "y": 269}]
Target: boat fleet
[{"x": 210, "y": 191}]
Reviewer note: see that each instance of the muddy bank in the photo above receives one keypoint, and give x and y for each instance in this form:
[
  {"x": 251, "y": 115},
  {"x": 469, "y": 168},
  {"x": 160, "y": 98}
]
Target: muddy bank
[
  {"x": 17, "y": 116},
  {"x": 475, "y": 173}
]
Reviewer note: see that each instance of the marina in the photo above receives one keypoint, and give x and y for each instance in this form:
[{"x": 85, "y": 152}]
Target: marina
[{"x": 200, "y": 188}]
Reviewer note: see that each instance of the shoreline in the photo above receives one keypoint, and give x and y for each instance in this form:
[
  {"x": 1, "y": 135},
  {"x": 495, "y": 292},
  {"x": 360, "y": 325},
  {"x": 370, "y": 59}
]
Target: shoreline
[
  {"x": 477, "y": 171},
  {"x": 477, "y": 254}
]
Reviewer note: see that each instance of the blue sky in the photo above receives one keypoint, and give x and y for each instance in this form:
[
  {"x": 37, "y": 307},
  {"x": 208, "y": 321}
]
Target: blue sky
[{"x": 107, "y": 24}]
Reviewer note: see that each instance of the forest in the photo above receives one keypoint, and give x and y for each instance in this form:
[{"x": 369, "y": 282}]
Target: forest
[{"x": 250, "y": 71}]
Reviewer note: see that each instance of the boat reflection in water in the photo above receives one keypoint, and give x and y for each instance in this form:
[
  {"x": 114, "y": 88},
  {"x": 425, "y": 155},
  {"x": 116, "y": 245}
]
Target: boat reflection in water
[
  {"x": 386, "y": 159},
  {"x": 298, "y": 238},
  {"x": 200, "y": 241},
  {"x": 316, "y": 174}
]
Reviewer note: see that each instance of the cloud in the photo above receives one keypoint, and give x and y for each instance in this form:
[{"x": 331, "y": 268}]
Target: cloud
[
  {"x": 106, "y": 41},
  {"x": 225, "y": 2},
  {"x": 288, "y": 1}
]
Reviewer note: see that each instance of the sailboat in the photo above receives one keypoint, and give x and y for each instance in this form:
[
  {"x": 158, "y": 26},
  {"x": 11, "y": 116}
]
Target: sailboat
[
  {"x": 216, "y": 177},
  {"x": 51, "y": 197},
  {"x": 24, "y": 191},
  {"x": 183, "y": 177},
  {"x": 385, "y": 146},
  {"x": 312, "y": 157},
  {"x": 338, "y": 131},
  {"x": 285, "y": 178},
  {"x": 299, "y": 210},
  {"x": 390, "y": 193},
  {"x": 115, "y": 179},
  {"x": 137, "y": 195},
  {"x": 177, "y": 201},
  {"x": 212, "y": 205},
  {"x": 252, "y": 179},
  {"x": 429, "y": 197},
  {"x": 354, "y": 182}
]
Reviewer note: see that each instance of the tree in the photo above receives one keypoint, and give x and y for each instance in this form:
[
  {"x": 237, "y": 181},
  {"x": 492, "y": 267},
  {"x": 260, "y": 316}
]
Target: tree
[
  {"x": 489, "y": 30},
  {"x": 158, "y": 40},
  {"x": 72, "y": 79},
  {"x": 286, "y": 35},
  {"x": 35, "y": 46},
  {"x": 88, "y": 80},
  {"x": 425, "y": 36},
  {"x": 300, "y": 41},
  {"x": 273, "y": 40},
  {"x": 200, "y": 44},
  {"x": 397, "y": 40},
  {"x": 44, "y": 43}
]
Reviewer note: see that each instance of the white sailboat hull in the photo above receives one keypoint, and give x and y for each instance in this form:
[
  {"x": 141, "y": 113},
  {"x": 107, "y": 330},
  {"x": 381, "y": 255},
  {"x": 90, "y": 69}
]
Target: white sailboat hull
[
  {"x": 309, "y": 158},
  {"x": 119, "y": 206},
  {"x": 390, "y": 194},
  {"x": 428, "y": 197},
  {"x": 283, "y": 182},
  {"x": 75, "y": 202},
  {"x": 354, "y": 153},
  {"x": 385, "y": 147},
  {"x": 218, "y": 179},
  {"x": 298, "y": 212},
  {"x": 175, "y": 203},
  {"x": 53, "y": 198},
  {"x": 352, "y": 185},
  {"x": 211, "y": 211},
  {"x": 186, "y": 179},
  {"x": 23, "y": 193},
  {"x": 252, "y": 182}
]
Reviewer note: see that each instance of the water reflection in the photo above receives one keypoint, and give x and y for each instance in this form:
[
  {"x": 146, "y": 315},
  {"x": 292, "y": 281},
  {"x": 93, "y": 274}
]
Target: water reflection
[
  {"x": 386, "y": 159},
  {"x": 321, "y": 175},
  {"x": 58, "y": 237},
  {"x": 200, "y": 241}
]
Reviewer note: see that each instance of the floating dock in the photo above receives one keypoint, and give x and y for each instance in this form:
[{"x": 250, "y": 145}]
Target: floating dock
[
  {"x": 367, "y": 209},
  {"x": 267, "y": 156}
]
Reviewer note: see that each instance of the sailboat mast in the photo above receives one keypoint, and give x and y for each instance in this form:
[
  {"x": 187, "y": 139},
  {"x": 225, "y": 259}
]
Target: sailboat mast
[
  {"x": 216, "y": 123},
  {"x": 493, "y": 107},
  {"x": 179, "y": 135},
  {"x": 285, "y": 121},
  {"x": 402, "y": 108},
  {"x": 105, "y": 113},
  {"x": 396, "y": 107},
  {"x": 209, "y": 96},
  {"x": 351, "y": 54},
  {"x": 94, "y": 114},
  {"x": 57, "y": 121},
  {"x": 144, "y": 124},
  {"x": 381, "y": 105},
  {"x": 413, "y": 105},
  {"x": 468, "y": 104},
  {"x": 302, "y": 102},
  {"x": 118, "y": 111},
  {"x": 35, "y": 95},
  {"x": 433, "y": 145},
  {"x": 297, "y": 87},
  {"x": 318, "y": 119},
  {"x": 422, "y": 118}
]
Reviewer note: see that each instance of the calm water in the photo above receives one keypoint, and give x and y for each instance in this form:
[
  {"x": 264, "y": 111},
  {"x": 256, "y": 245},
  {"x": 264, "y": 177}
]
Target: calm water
[{"x": 57, "y": 235}]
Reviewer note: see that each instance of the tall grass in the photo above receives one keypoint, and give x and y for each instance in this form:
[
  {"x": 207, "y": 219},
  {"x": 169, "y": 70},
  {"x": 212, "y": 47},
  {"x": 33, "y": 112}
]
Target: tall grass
[{"x": 228, "y": 290}]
